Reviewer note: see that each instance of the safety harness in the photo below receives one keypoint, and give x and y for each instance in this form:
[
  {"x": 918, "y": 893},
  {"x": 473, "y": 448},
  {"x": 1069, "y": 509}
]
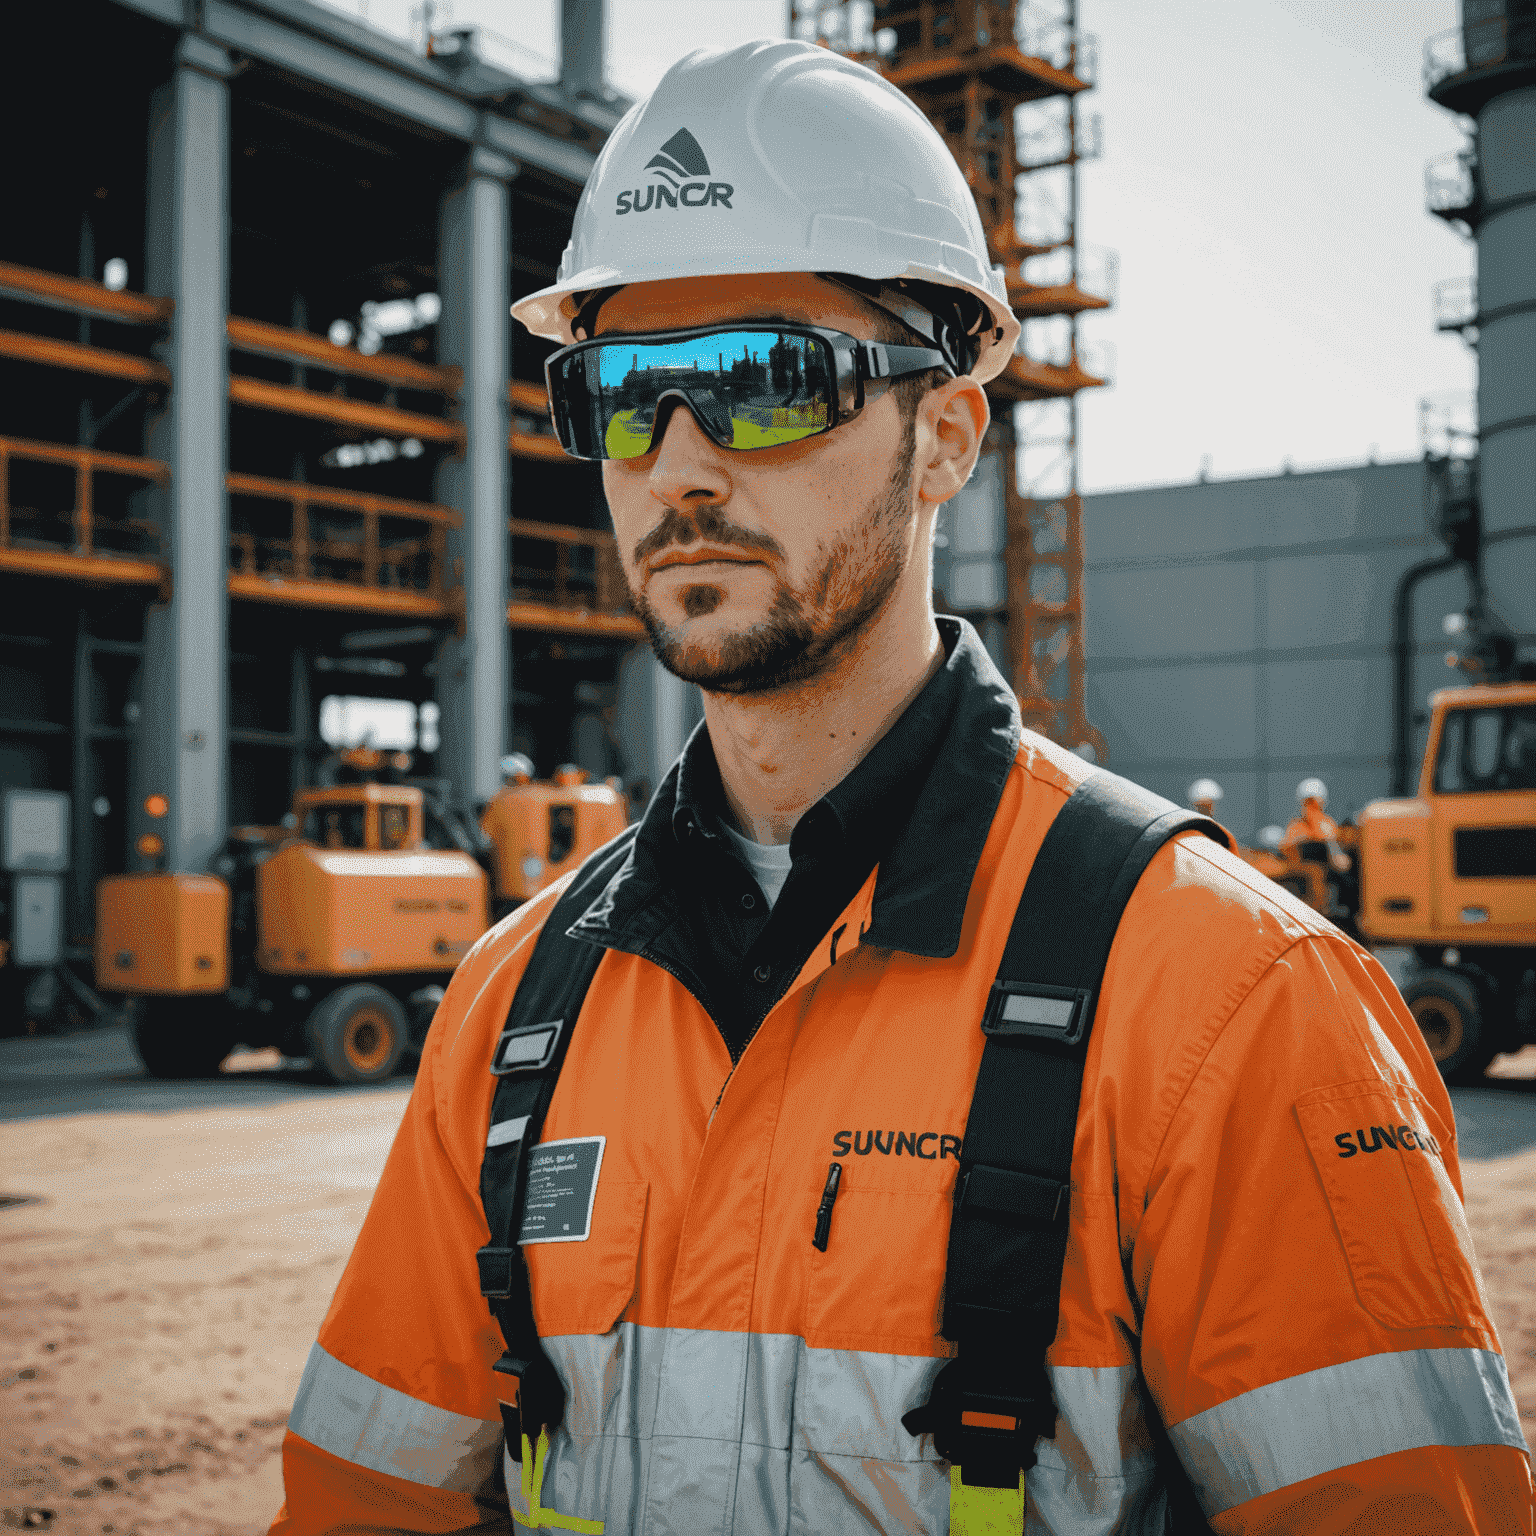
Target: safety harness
[{"x": 1008, "y": 1235}]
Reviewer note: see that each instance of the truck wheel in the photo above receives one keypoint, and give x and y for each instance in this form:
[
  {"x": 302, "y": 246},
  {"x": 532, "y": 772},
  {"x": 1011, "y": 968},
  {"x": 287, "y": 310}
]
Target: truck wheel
[
  {"x": 1450, "y": 1010},
  {"x": 183, "y": 1037},
  {"x": 357, "y": 1034}
]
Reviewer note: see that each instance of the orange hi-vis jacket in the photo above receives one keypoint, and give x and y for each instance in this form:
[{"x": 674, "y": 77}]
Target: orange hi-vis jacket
[
  {"x": 1302, "y": 829},
  {"x": 1267, "y": 1249}
]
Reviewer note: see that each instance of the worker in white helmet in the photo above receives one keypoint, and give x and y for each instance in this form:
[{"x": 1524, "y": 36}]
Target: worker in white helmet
[
  {"x": 1313, "y": 826},
  {"x": 708, "y": 1211},
  {"x": 1205, "y": 795}
]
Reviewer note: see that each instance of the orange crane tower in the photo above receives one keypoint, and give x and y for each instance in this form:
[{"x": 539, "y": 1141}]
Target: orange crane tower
[{"x": 971, "y": 65}]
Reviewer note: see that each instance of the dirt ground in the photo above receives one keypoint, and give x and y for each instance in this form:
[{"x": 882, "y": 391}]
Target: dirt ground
[
  {"x": 159, "y": 1301},
  {"x": 161, "y": 1292}
]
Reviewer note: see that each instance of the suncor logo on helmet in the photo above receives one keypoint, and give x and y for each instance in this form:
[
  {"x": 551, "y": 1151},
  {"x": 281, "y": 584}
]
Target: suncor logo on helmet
[{"x": 680, "y": 173}]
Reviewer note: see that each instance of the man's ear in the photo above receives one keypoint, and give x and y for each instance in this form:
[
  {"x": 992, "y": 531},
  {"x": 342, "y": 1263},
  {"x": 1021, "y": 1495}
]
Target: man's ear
[{"x": 951, "y": 423}]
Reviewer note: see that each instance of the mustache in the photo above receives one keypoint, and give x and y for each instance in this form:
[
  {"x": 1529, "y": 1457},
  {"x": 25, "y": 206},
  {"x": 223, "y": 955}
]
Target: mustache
[{"x": 704, "y": 523}]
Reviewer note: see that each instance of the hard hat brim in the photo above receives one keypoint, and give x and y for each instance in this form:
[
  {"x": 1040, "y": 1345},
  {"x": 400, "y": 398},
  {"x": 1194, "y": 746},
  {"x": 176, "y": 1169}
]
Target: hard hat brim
[{"x": 549, "y": 312}]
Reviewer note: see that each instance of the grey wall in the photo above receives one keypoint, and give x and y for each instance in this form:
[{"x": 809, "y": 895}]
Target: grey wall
[{"x": 1243, "y": 629}]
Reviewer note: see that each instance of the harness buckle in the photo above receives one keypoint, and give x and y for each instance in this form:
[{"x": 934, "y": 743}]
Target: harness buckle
[
  {"x": 527, "y": 1048},
  {"x": 1033, "y": 1008},
  {"x": 990, "y": 1436}
]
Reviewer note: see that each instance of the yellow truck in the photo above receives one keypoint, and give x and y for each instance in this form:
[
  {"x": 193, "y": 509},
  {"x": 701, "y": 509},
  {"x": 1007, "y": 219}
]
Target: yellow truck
[{"x": 1451, "y": 873}]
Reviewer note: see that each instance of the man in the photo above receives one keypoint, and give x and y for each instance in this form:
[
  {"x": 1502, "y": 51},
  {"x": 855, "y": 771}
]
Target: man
[
  {"x": 1205, "y": 795},
  {"x": 796, "y": 948},
  {"x": 1312, "y": 824}
]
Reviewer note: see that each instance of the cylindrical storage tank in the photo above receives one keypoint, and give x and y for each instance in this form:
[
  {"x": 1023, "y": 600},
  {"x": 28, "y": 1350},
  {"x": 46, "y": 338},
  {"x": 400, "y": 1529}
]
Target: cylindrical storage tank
[{"x": 1506, "y": 391}]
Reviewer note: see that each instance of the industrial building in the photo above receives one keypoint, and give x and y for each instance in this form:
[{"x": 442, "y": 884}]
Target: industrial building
[
  {"x": 1244, "y": 629},
  {"x": 269, "y": 437},
  {"x": 1263, "y": 630},
  {"x": 271, "y": 444}
]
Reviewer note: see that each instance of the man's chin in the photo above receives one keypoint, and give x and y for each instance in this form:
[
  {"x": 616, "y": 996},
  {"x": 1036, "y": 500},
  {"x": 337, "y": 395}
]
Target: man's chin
[{"x": 754, "y": 657}]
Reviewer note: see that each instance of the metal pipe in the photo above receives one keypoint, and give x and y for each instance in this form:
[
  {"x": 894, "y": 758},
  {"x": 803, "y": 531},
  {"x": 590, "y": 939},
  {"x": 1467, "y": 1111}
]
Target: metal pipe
[
  {"x": 583, "y": 36},
  {"x": 1402, "y": 666}
]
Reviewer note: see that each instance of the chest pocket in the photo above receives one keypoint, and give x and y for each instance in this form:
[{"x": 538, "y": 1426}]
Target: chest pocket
[
  {"x": 585, "y": 1287},
  {"x": 879, "y": 1285}
]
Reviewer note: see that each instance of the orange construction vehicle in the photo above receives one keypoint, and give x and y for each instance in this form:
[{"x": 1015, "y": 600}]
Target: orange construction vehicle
[
  {"x": 331, "y": 938},
  {"x": 1452, "y": 873},
  {"x": 333, "y": 935},
  {"x": 539, "y": 831}
]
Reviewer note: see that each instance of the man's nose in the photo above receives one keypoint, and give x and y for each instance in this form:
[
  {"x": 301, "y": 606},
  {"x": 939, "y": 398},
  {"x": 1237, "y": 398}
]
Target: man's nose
[{"x": 690, "y": 465}]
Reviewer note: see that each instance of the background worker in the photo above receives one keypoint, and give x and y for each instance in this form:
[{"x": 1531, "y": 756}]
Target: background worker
[
  {"x": 797, "y": 943},
  {"x": 1313, "y": 825},
  {"x": 1205, "y": 796}
]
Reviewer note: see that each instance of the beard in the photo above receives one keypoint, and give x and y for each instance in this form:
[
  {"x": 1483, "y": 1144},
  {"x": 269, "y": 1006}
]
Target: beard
[{"x": 807, "y": 627}]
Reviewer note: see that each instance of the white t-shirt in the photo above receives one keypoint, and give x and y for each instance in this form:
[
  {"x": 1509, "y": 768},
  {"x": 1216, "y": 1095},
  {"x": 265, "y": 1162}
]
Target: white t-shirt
[{"x": 769, "y": 862}]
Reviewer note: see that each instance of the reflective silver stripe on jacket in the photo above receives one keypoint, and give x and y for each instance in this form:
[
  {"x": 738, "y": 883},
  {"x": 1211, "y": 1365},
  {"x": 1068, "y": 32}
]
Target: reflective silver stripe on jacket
[
  {"x": 687, "y": 1430},
  {"x": 361, "y": 1420},
  {"x": 1322, "y": 1420}
]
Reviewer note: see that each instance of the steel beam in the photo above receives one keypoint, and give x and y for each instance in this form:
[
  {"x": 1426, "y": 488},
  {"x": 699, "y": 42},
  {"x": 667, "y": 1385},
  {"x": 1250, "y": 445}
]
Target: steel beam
[
  {"x": 474, "y": 335},
  {"x": 181, "y": 746},
  {"x": 371, "y": 69}
]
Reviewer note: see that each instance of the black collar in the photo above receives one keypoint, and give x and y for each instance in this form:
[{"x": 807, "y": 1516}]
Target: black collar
[{"x": 939, "y": 772}]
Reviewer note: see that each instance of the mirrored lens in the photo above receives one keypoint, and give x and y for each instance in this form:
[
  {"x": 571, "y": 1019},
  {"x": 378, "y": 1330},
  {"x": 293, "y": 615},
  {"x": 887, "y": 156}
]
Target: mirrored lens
[{"x": 749, "y": 389}]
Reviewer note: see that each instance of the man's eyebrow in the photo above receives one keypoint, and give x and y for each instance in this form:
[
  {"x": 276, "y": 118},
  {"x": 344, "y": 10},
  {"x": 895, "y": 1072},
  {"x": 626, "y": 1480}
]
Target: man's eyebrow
[{"x": 754, "y": 322}]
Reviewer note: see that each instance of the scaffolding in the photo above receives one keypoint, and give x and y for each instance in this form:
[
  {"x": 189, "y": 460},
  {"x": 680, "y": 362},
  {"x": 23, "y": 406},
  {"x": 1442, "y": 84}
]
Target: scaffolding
[{"x": 1000, "y": 81}]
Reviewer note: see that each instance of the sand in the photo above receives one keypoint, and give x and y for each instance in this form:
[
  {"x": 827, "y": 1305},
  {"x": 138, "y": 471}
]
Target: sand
[
  {"x": 161, "y": 1294},
  {"x": 159, "y": 1301}
]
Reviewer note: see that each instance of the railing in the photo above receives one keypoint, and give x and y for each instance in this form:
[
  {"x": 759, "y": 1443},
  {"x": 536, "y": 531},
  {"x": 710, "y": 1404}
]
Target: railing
[
  {"x": 1458, "y": 50},
  {"x": 1450, "y": 182},
  {"x": 304, "y": 347},
  {"x": 341, "y": 548},
  {"x": 1047, "y": 145},
  {"x": 1098, "y": 271},
  {"x": 306, "y": 350},
  {"x": 915, "y": 42},
  {"x": 1448, "y": 424},
  {"x": 580, "y": 579},
  {"x": 1455, "y": 303},
  {"x": 1050, "y": 38},
  {"x": 80, "y": 296},
  {"x": 69, "y": 540},
  {"x": 531, "y": 436}
]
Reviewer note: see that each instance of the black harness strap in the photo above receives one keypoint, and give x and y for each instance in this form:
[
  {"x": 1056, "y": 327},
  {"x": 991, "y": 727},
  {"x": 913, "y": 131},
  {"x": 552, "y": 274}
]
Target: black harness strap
[
  {"x": 529, "y": 1055},
  {"x": 1008, "y": 1234}
]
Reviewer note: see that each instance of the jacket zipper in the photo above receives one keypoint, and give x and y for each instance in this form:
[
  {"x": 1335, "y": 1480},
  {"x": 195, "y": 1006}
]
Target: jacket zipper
[{"x": 824, "y": 1210}]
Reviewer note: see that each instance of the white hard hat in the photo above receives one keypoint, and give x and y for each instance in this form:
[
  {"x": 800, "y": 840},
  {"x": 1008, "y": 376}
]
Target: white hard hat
[
  {"x": 776, "y": 156},
  {"x": 516, "y": 766},
  {"x": 1204, "y": 789},
  {"x": 1312, "y": 789}
]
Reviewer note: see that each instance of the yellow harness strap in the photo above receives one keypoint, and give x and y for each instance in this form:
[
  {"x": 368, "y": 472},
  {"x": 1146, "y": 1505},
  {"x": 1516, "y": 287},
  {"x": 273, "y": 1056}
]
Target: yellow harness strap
[
  {"x": 984, "y": 1511},
  {"x": 539, "y": 1518}
]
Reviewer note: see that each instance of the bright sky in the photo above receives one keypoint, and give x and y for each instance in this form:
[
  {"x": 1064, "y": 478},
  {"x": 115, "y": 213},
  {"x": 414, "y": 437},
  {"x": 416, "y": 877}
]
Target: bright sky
[{"x": 1262, "y": 182}]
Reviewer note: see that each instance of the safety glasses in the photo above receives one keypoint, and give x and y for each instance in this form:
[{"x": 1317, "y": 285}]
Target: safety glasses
[{"x": 748, "y": 386}]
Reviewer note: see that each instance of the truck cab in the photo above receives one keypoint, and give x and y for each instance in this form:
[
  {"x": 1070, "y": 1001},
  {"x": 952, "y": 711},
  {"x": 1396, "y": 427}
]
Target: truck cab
[{"x": 1452, "y": 873}]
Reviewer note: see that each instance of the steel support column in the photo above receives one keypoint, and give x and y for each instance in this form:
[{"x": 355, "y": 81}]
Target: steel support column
[
  {"x": 182, "y": 743},
  {"x": 583, "y": 45},
  {"x": 474, "y": 667},
  {"x": 656, "y": 714}
]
